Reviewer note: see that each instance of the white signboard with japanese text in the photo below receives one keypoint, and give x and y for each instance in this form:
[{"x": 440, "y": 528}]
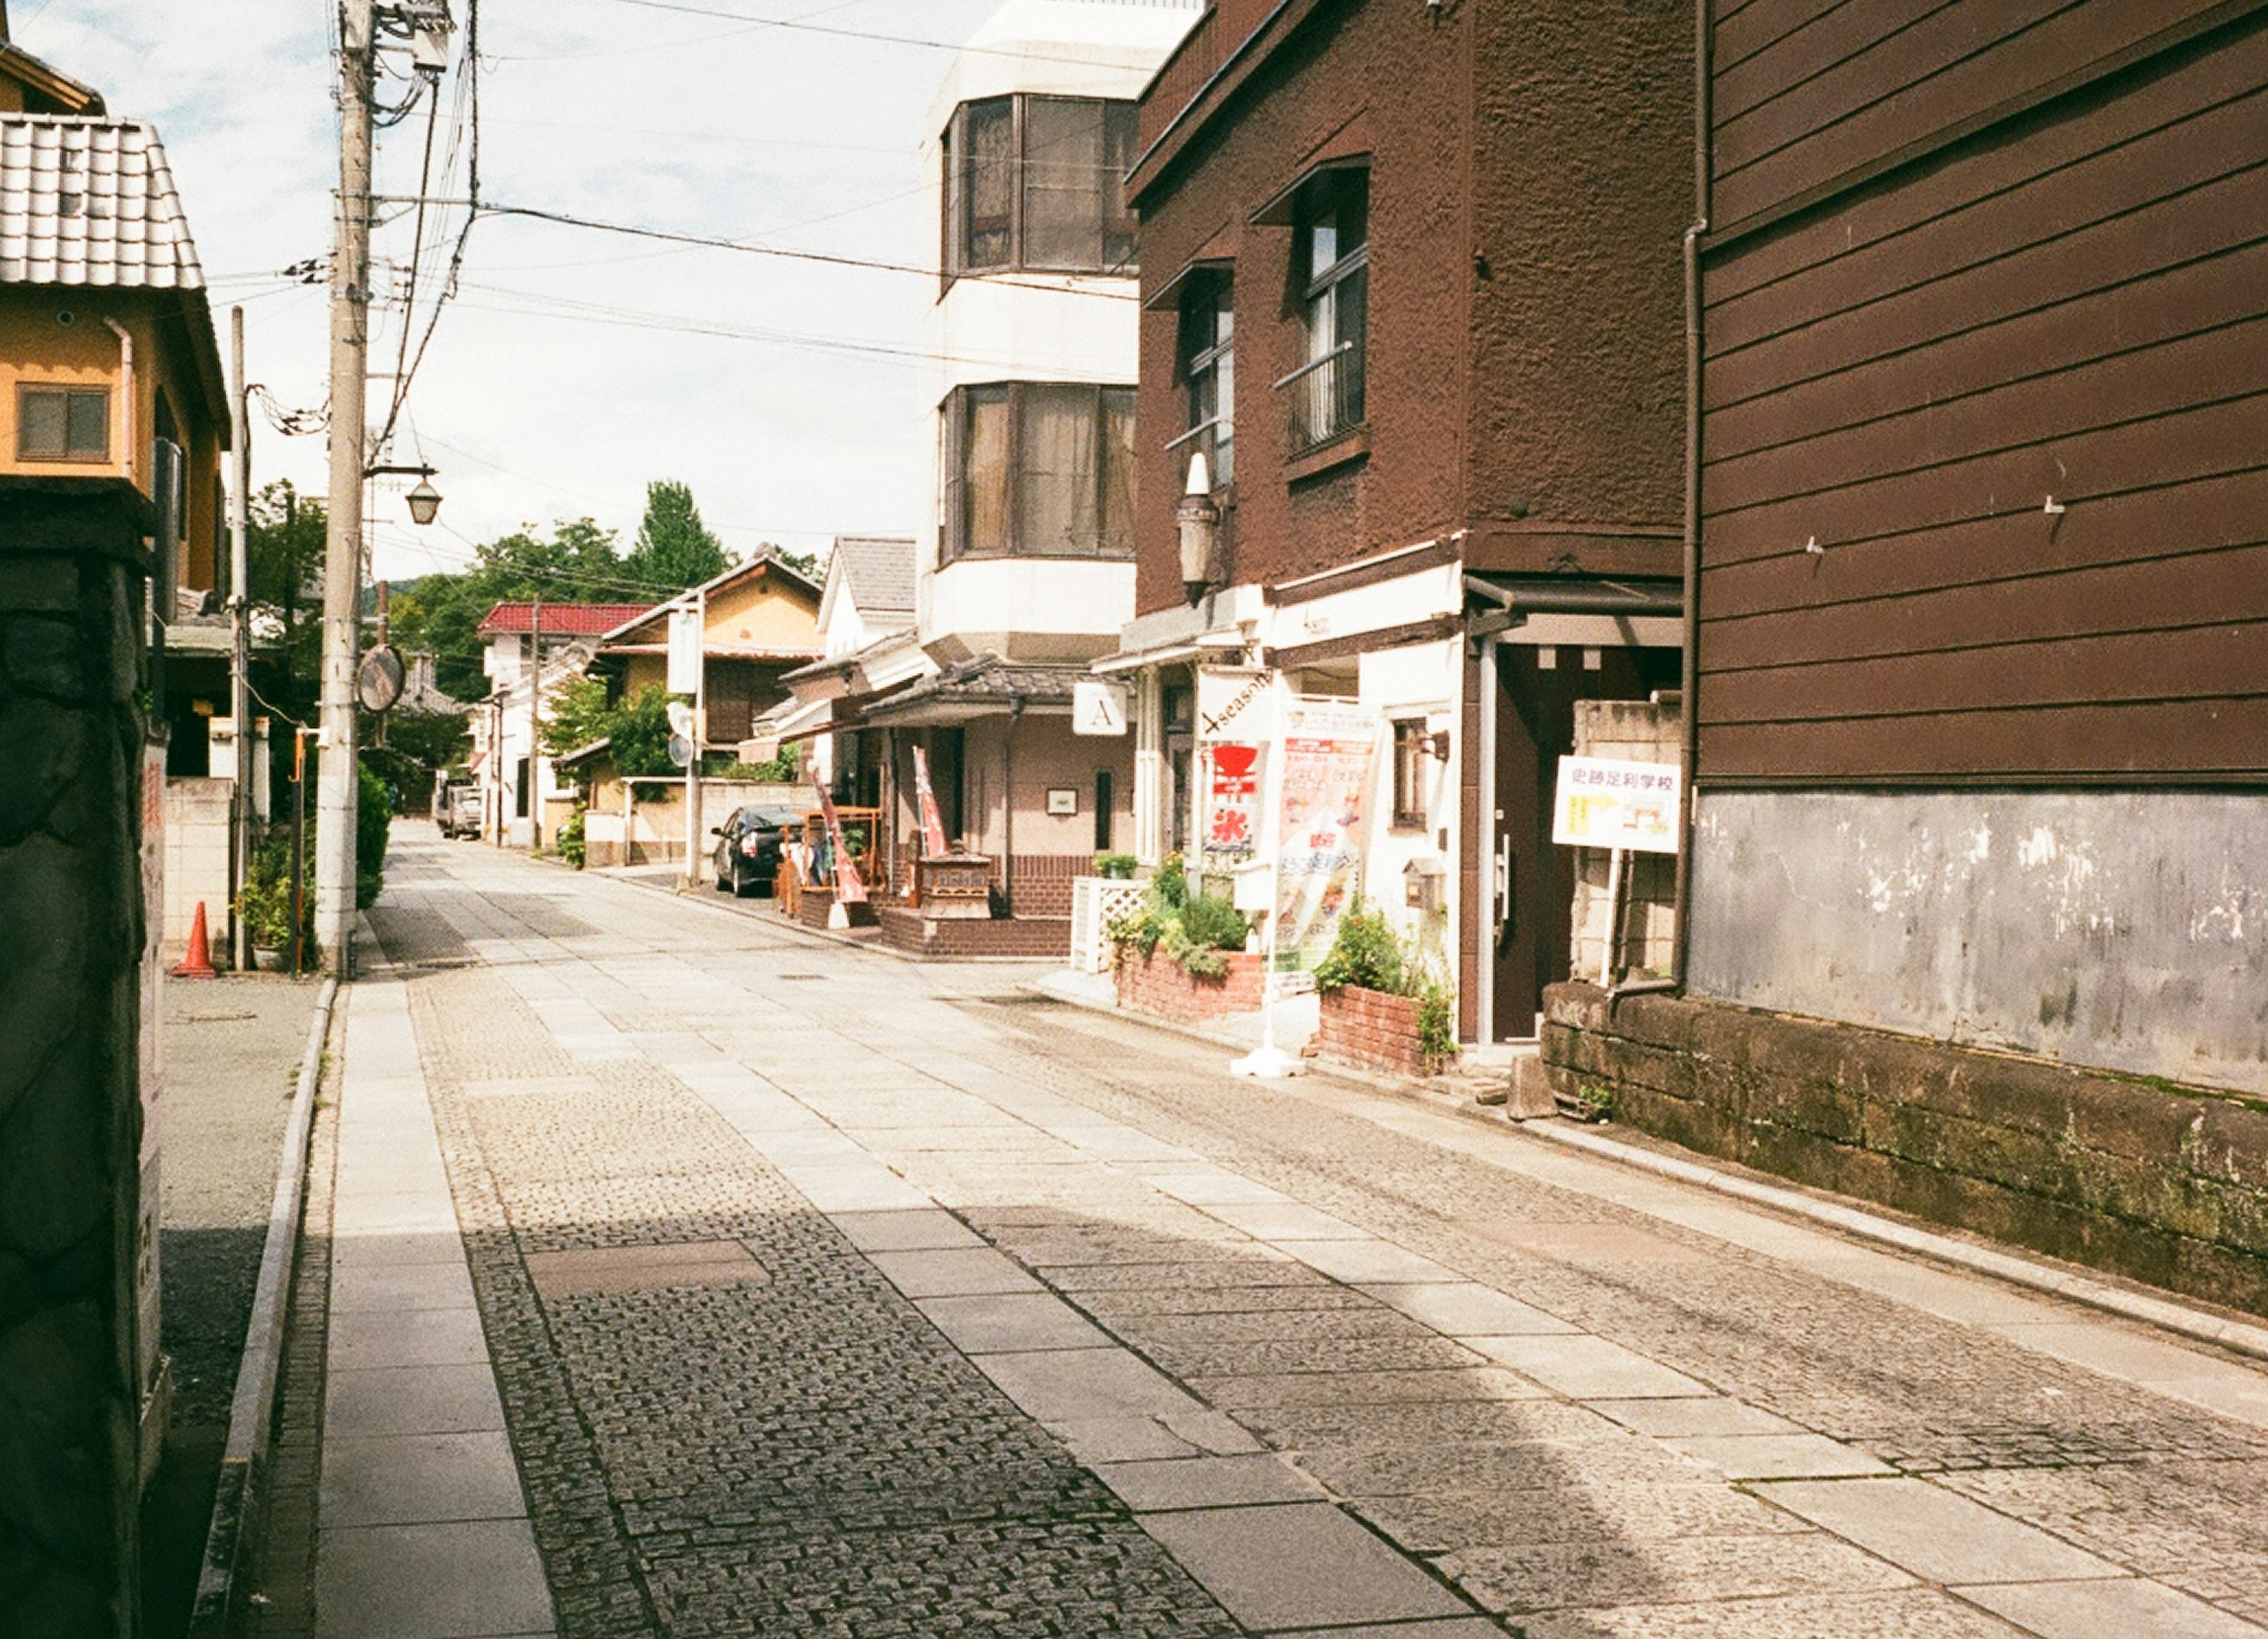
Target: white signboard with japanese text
[{"x": 1605, "y": 802}]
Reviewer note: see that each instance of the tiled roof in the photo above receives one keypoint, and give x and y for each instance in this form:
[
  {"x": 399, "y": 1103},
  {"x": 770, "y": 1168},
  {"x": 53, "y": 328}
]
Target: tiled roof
[
  {"x": 879, "y": 571},
  {"x": 90, "y": 201},
  {"x": 563, "y": 620}
]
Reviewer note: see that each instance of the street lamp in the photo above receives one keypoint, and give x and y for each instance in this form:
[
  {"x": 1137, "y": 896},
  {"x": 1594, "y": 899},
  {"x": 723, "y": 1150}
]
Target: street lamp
[
  {"x": 424, "y": 500},
  {"x": 1199, "y": 519}
]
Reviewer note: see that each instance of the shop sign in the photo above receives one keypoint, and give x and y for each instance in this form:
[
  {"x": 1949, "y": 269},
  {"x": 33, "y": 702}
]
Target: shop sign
[
  {"x": 1232, "y": 802},
  {"x": 1098, "y": 706},
  {"x": 1605, "y": 802},
  {"x": 1330, "y": 751}
]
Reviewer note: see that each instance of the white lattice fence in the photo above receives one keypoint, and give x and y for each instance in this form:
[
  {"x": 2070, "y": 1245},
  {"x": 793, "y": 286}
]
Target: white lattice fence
[{"x": 1095, "y": 903}]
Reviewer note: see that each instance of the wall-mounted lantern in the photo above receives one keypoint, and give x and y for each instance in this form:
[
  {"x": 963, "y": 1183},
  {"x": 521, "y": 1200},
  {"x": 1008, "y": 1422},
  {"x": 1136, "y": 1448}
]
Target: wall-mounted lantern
[
  {"x": 1199, "y": 517},
  {"x": 424, "y": 500}
]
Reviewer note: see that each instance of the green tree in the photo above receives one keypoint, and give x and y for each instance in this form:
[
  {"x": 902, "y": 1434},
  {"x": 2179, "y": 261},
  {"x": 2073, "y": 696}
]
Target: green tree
[
  {"x": 575, "y": 713},
  {"x": 640, "y": 732},
  {"x": 673, "y": 549},
  {"x": 577, "y": 563}
]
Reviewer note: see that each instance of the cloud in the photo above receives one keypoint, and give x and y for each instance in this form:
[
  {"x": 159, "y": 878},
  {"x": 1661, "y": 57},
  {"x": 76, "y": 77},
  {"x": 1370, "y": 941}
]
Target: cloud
[{"x": 574, "y": 368}]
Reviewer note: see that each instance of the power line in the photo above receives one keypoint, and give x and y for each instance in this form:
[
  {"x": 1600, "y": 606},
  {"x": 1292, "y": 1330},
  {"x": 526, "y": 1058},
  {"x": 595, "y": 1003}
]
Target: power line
[{"x": 870, "y": 36}]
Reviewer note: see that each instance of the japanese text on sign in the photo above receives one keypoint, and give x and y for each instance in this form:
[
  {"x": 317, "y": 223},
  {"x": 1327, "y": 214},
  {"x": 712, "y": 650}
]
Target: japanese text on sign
[{"x": 1603, "y": 802}]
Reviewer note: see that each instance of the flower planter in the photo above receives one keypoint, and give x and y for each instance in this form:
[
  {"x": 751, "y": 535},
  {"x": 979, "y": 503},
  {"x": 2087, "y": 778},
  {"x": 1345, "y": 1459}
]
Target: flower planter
[
  {"x": 1374, "y": 1029},
  {"x": 1160, "y": 985}
]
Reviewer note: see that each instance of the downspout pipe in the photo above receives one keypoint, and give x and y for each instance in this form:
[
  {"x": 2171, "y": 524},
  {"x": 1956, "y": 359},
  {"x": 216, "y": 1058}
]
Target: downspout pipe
[{"x": 1688, "y": 697}]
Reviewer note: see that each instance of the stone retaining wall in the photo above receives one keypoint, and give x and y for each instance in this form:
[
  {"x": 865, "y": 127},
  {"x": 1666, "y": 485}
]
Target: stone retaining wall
[{"x": 2157, "y": 1182}]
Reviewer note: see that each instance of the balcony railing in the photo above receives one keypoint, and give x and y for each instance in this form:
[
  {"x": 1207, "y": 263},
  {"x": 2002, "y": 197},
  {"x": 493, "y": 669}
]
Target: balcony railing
[{"x": 1324, "y": 397}]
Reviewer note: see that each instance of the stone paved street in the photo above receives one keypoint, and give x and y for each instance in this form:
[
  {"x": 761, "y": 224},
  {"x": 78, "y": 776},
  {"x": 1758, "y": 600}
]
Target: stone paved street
[{"x": 823, "y": 1293}]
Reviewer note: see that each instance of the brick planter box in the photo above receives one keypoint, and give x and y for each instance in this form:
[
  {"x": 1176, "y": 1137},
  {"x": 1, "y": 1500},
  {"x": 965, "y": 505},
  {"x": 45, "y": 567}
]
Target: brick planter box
[
  {"x": 1157, "y": 984},
  {"x": 1372, "y": 1028}
]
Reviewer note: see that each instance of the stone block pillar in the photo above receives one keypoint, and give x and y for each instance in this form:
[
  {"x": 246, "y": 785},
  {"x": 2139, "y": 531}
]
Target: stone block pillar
[{"x": 72, "y": 569}]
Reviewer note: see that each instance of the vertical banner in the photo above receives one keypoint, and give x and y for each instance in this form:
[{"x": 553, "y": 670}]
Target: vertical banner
[
  {"x": 933, "y": 823},
  {"x": 685, "y": 646},
  {"x": 849, "y": 890},
  {"x": 1329, "y": 748},
  {"x": 1235, "y": 712}
]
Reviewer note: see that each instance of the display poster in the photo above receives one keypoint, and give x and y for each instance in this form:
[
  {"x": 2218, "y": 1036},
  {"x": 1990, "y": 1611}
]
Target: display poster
[
  {"x": 1330, "y": 751},
  {"x": 932, "y": 822},
  {"x": 1236, "y": 709},
  {"x": 1606, "y": 802},
  {"x": 849, "y": 890}
]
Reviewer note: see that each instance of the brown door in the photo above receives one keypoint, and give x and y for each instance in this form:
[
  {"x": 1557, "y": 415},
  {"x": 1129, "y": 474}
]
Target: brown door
[{"x": 1531, "y": 884}]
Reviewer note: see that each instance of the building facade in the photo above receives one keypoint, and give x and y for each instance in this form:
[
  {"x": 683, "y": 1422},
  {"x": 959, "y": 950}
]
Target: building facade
[
  {"x": 1025, "y": 569},
  {"x": 1410, "y": 290}
]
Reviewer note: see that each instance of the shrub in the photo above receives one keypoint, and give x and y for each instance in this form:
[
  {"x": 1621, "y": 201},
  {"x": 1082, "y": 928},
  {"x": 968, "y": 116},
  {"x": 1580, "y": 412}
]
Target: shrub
[
  {"x": 1366, "y": 953},
  {"x": 1193, "y": 929},
  {"x": 570, "y": 838},
  {"x": 373, "y": 816},
  {"x": 1117, "y": 867},
  {"x": 264, "y": 902}
]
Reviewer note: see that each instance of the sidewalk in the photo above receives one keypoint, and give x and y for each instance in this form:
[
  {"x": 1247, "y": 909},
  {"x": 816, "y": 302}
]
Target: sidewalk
[{"x": 231, "y": 1049}]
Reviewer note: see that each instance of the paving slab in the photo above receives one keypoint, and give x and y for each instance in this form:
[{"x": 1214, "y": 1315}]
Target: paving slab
[
  {"x": 1064, "y": 1385},
  {"x": 1687, "y": 1416},
  {"x": 1778, "y": 1456},
  {"x": 406, "y": 1337},
  {"x": 2129, "y": 1609},
  {"x": 411, "y": 1399},
  {"x": 1300, "y": 1565},
  {"x": 1368, "y": 1262},
  {"x": 1208, "y": 1482},
  {"x": 919, "y": 1229},
  {"x": 419, "y": 1479},
  {"x": 1284, "y": 1221},
  {"x": 1009, "y": 1322},
  {"x": 467, "y": 1579},
  {"x": 1464, "y": 1309},
  {"x": 1583, "y": 1367},
  {"x": 953, "y": 1272},
  {"x": 1935, "y": 1534}
]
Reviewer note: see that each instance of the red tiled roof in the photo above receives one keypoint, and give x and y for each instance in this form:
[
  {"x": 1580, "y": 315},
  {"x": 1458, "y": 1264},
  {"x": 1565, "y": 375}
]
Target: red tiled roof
[{"x": 567, "y": 620}]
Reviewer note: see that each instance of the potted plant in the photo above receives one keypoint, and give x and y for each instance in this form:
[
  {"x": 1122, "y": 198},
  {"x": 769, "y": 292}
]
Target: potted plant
[
  {"x": 1181, "y": 951},
  {"x": 264, "y": 902},
  {"x": 1116, "y": 867},
  {"x": 1378, "y": 1006}
]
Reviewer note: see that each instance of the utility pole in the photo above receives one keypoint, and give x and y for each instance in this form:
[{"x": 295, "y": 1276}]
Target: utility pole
[
  {"x": 699, "y": 737},
  {"x": 335, "y": 803},
  {"x": 535, "y": 725},
  {"x": 240, "y": 664}
]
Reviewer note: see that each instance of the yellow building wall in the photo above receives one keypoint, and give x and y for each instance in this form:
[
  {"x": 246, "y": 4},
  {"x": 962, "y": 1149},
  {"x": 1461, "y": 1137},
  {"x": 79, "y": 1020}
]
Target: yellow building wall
[
  {"x": 763, "y": 613},
  {"x": 38, "y": 347}
]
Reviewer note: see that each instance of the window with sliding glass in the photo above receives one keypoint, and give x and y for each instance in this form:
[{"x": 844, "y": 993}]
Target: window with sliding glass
[
  {"x": 1333, "y": 252},
  {"x": 1032, "y": 183},
  {"x": 1038, "y": 469},
  {"x": 1208, "y": 370}
]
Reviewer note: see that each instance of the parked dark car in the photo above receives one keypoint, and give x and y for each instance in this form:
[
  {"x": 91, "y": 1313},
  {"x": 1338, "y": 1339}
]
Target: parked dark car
[{"x": 748, "y": 848}]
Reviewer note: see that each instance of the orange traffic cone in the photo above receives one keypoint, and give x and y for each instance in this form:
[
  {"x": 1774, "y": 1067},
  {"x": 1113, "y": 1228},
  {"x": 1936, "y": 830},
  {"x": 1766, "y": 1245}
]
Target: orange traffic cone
[{"x": 198, "y": 963}]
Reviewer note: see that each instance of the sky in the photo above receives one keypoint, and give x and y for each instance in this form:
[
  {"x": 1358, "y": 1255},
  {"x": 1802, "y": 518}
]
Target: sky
[{"x": 575, "y": 367}]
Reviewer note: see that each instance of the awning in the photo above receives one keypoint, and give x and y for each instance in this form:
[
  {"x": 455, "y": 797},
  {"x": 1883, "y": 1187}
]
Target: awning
[
  {"x": 784, "y": 722},
  {"x": 1210, "y": 645}
]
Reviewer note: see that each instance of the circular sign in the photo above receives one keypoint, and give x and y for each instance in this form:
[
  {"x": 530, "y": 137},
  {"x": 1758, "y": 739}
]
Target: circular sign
[
  {"x": 378, "y": 682},
  {"x": 681, "y": 751}
]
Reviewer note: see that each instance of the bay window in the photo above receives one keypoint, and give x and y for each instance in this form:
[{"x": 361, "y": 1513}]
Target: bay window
[
  {"x": 1038, "y": 469},
  {"x": 1033, "y": 183}
]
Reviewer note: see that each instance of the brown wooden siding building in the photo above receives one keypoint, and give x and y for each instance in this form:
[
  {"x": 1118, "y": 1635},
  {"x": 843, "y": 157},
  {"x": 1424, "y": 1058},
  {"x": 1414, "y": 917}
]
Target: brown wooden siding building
[{"x": 1982, "y": 699}]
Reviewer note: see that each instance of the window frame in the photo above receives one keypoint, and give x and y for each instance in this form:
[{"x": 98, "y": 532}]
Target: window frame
[
  {"x": 1114, "y": 220},
  {"x": 1323, "y": 295},
  {"x": 1412, "y": 747},
  {"x": 1212, "y": 365},
  {"x": 67, "y": 391},
  {"x": 957, "y": 495}
]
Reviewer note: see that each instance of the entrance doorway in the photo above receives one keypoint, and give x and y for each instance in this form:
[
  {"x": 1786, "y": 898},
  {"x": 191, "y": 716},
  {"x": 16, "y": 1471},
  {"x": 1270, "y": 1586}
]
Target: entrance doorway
[{"x": 1532, "y": 883}]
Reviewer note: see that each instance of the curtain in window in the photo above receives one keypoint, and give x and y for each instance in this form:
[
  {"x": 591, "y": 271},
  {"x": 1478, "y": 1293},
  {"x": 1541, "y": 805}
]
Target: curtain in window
[
  {"x": 1117, "y": 473},
  {"x": 1064, "y": 201},
  {"x": 1120, "y": 136},
  {"x": 1058, "y": 505},
  {"x": 984, "y": 469},
  {"x": 988, "y": 184}
]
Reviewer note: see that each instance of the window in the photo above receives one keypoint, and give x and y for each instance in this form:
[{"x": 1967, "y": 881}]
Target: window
[
  {"x": 1033, "y": 183},
  {"x": 1413, "y": 748},
  {"x": 62, "y": 423},
  {"x": 1208, "y": 370},
  {"x": 1104, "y": 798},
  {"x": 1332, "y": 263},
  {"x": 1038, "y": 469}
]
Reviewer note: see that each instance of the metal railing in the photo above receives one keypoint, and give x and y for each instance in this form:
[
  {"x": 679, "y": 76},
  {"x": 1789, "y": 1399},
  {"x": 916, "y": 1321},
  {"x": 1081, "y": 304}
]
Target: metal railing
[{"x": 1325, "y": 397}]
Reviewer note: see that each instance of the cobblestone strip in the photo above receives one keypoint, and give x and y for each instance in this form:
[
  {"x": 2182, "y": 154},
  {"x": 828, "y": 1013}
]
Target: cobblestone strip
[{"x": 788, "y": 1447}]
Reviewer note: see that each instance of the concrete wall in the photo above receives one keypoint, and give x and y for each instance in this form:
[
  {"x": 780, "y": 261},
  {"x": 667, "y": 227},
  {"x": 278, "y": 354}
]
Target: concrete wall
[
  {"x": 196, "y": 860},
  {"x": 2127, "y": 930}
]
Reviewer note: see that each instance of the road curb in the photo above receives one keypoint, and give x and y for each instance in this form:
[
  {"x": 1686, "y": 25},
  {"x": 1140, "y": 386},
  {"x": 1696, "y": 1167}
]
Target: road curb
[{"x": 251, "y": 1413}]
